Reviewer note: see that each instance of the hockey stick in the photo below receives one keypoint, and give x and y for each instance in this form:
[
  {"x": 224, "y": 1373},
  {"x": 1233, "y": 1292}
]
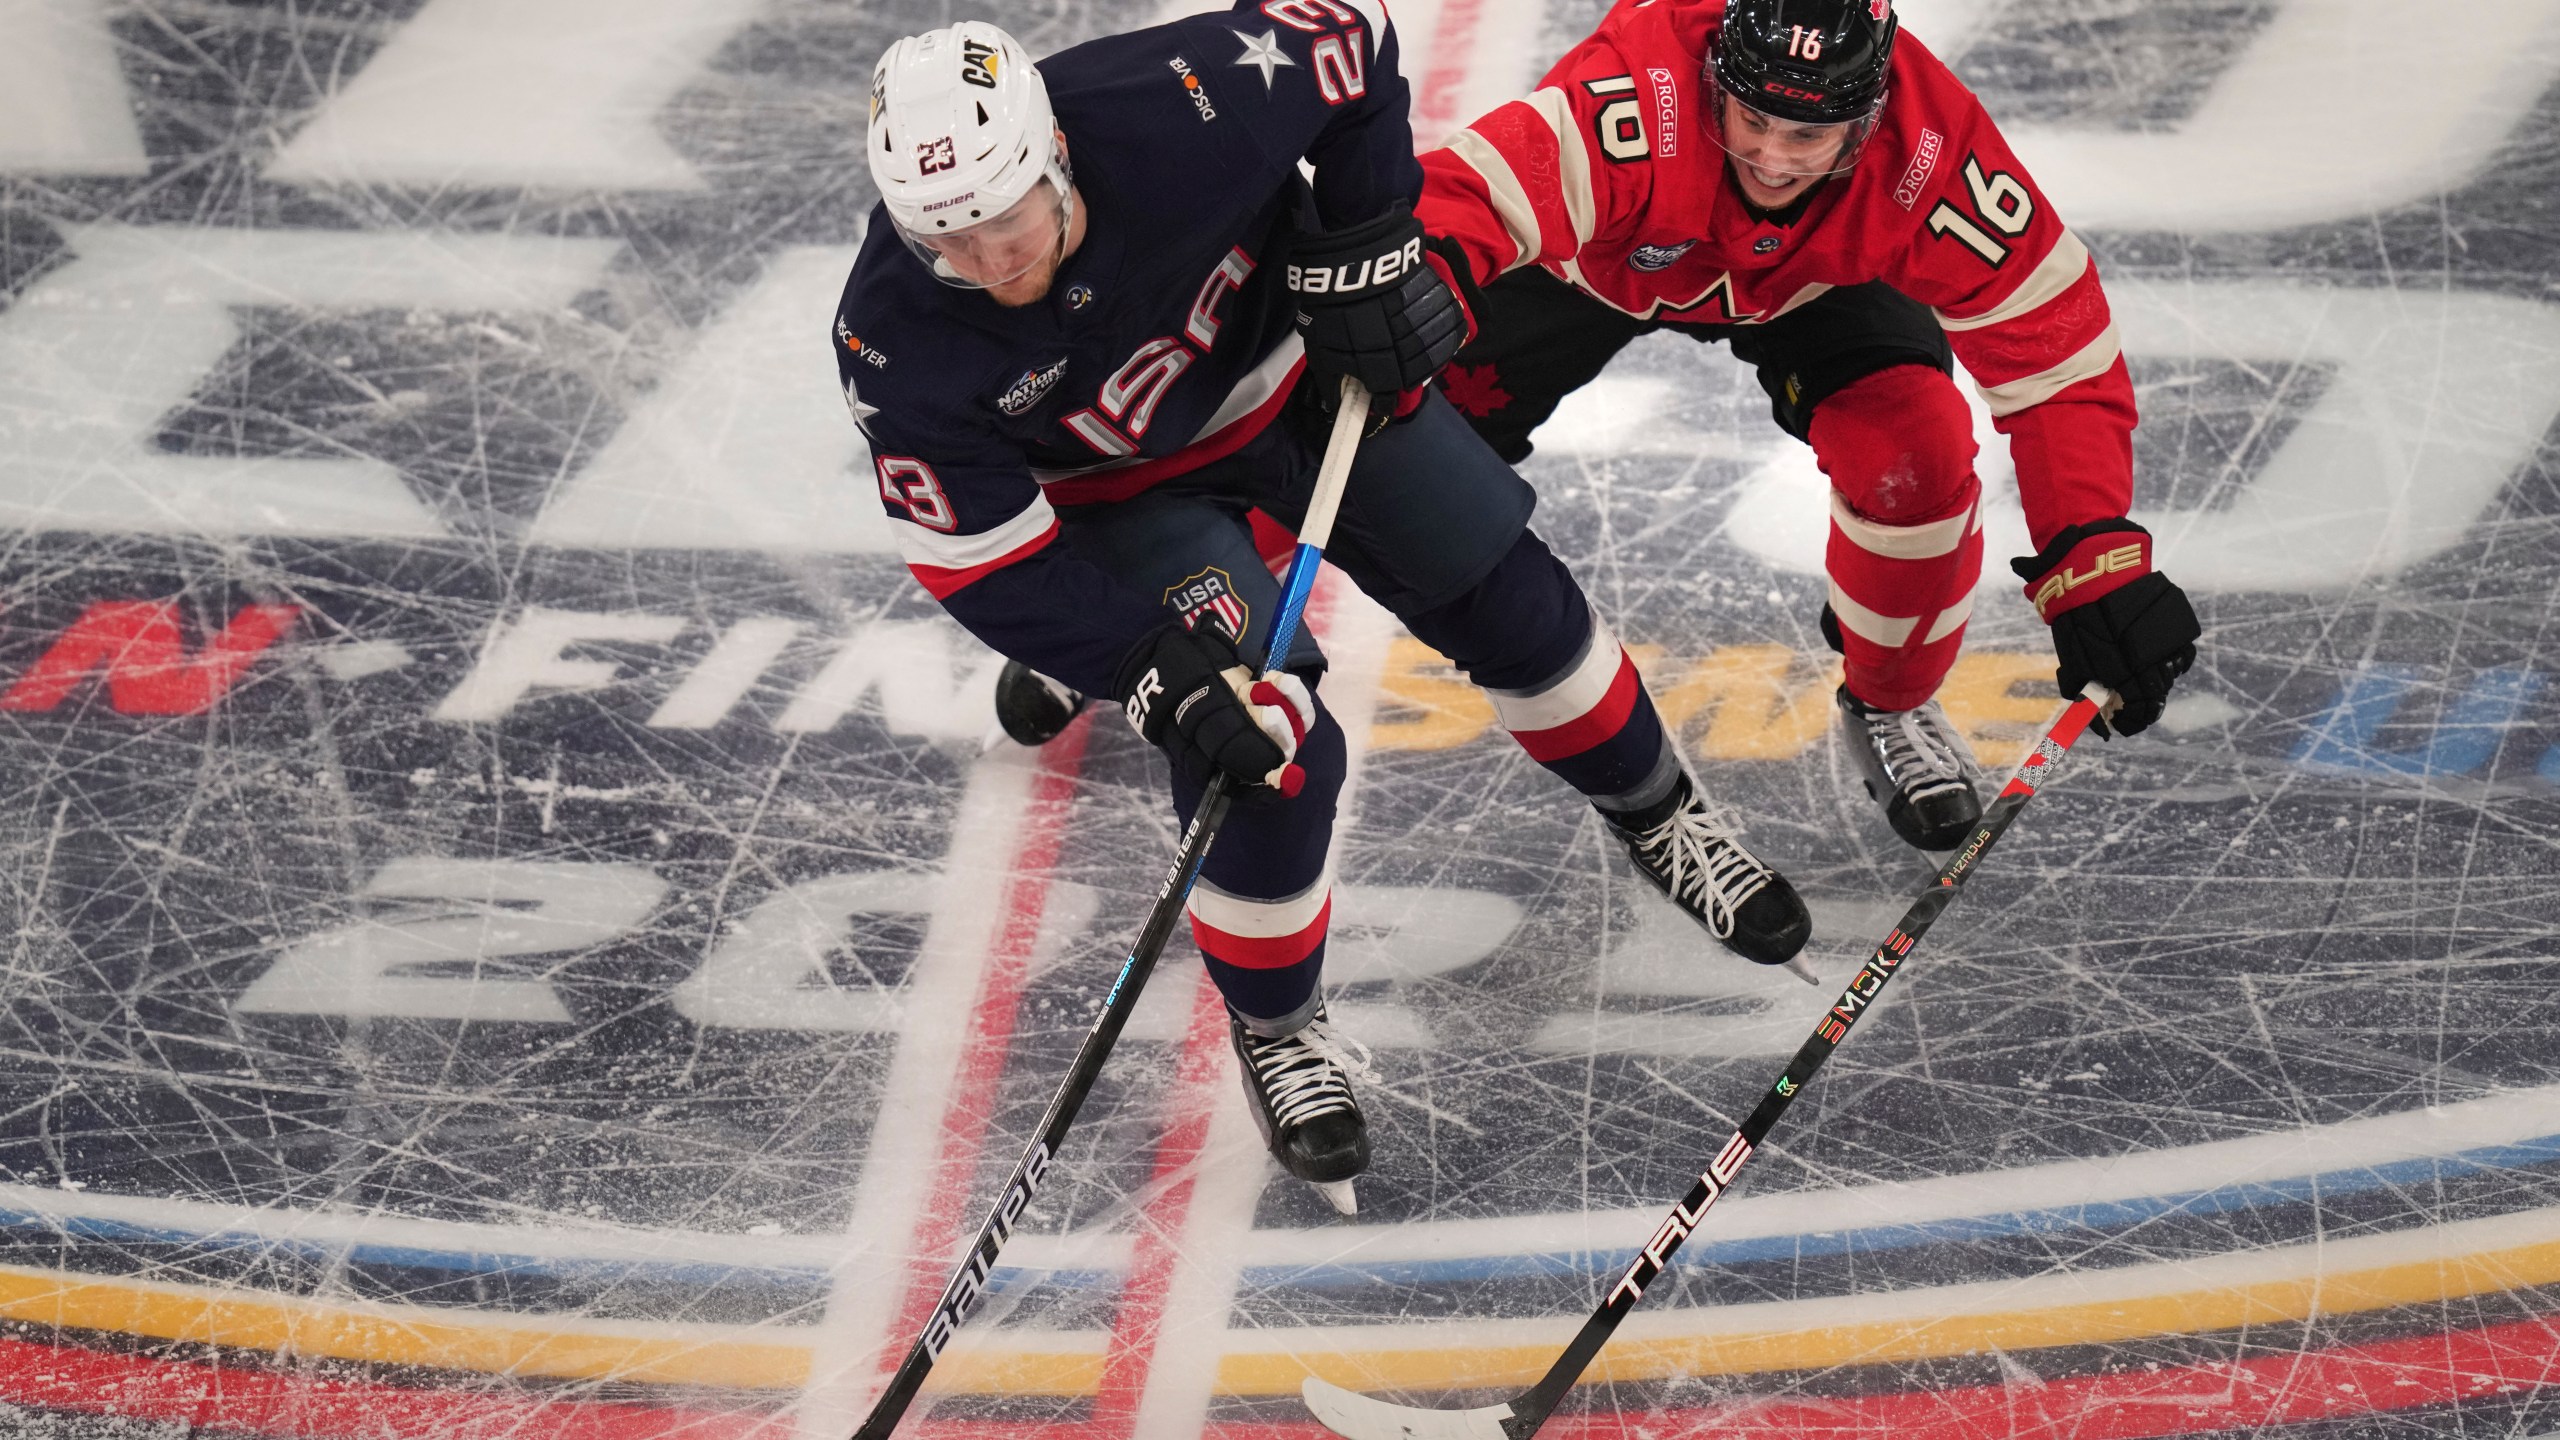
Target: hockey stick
[
  {"x": 1360, "y": 1417},
  {"x": 969, "y": 1282}
]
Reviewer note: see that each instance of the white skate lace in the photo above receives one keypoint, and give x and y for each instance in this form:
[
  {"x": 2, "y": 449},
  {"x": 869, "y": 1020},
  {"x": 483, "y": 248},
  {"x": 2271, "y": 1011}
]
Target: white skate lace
[
  {"x": 1703, "y": 866},
  {"x": 1304, "y": 1074},
  {"x": 1919, "y": 749}
]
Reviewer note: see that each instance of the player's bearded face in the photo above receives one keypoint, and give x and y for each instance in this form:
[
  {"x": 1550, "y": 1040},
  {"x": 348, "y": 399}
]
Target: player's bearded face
[
  {"x": 1776, "y": 161},
  {"x": 1013, "y": 256}
]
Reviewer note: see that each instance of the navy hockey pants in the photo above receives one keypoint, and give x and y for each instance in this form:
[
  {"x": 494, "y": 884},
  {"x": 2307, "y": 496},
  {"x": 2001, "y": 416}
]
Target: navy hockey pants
[{"x": 1434, "y": 527}]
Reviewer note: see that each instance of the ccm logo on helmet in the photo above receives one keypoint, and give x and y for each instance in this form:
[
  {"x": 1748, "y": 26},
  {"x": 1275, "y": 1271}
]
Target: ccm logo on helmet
[
  {"x": 1343, "y": 279},
  {"x": 1781, "y": 87}
]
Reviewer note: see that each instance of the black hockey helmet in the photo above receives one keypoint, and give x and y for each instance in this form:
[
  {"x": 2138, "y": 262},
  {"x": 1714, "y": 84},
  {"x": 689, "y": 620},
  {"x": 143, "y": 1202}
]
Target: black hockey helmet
[{"x": 1815, "y": 62}]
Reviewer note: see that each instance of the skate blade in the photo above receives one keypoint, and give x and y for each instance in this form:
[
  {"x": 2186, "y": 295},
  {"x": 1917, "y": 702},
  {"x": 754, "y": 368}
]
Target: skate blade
[
  {"x": 1339, "y": 1195},
  {"x": 1795, "y": 966},
  {"x": 994, "y": 737}
]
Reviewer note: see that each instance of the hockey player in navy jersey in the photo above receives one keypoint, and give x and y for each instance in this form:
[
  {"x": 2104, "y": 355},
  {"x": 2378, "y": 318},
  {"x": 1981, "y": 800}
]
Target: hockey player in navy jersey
[{"x": 1091, "y": 328}]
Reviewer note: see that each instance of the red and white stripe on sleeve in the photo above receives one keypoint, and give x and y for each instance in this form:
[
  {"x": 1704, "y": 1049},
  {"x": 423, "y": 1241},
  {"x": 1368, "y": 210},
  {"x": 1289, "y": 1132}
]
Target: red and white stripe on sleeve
[
  {"x": 2050, "y": 332},
  {"x": 943, "y": 563},
  {"x": 1526, "y": 165}
]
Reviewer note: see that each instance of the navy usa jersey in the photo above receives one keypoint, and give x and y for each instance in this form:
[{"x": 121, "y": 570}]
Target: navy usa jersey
[{"x": 1166, "y": 340}]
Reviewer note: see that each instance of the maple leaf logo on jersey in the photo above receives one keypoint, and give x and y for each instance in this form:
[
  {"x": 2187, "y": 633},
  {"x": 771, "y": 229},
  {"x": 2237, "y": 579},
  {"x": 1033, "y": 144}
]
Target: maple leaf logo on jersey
[{"x": 1475, "y": 390}]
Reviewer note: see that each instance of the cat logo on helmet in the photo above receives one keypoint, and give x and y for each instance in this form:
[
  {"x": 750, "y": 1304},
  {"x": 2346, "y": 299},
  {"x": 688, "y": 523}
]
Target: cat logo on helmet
[
  {"x": 978, "y": 64},
  {"x": 935, "y": 156}
]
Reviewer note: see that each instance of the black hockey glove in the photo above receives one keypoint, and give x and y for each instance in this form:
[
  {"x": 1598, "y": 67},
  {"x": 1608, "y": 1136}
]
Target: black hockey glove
[
  {"x": 1191, "y": 696},
  {"x": 2115, "y": 619},
  {"x": 1377, "y": 304}
]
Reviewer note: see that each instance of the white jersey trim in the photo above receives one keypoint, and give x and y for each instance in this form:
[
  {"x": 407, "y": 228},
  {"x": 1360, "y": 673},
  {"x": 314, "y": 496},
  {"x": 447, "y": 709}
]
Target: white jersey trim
[
  {"x": 2093, "y": 360},
  {"x": 1802, "y": 298},
  {"x": 1573, "y": 163},
  {"x": 1252, "y": 391},
  {"x": 918, "y": 545},
  {"x": 1380, "y": 23},
  {"x": 1510, "y": 198},
  {"x": 2060, "y": 269}
]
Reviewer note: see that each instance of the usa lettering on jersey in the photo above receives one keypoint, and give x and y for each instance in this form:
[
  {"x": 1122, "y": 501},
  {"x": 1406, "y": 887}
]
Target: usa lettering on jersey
[{"x": 1126, "y": 404}]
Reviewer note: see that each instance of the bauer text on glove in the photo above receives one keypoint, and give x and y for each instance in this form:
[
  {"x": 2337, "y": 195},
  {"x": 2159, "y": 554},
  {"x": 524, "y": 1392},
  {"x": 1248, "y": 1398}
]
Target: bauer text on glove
[
  {"x": 1375, "y": 302},
  {"x": 1192, "y": 697}
]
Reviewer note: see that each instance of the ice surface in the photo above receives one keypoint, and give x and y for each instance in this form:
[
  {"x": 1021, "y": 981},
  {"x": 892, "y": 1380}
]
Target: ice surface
[{"x": 511, "y": 932}]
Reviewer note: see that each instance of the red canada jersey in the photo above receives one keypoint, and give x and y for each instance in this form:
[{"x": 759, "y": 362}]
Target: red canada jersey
[{"x": 1610, "y": 175}]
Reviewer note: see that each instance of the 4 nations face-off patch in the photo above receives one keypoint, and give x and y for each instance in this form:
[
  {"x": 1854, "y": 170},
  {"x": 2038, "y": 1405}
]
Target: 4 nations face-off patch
[{"x": 1213, "y": 595}]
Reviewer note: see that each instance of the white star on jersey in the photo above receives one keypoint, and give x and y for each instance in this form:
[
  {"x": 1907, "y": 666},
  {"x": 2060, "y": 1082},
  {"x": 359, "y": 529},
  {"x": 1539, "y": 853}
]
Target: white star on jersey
[
  {"x": 862, "y": 413},
  {"x": 1263, "y": 54}
]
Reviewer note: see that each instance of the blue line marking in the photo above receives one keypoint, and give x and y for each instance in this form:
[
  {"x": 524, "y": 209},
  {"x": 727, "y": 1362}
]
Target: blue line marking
[{"x": 2093, "y": 1216}]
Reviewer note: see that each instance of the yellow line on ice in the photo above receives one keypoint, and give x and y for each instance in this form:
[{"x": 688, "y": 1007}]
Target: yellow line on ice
[{"x": 2263, "y": 1287}]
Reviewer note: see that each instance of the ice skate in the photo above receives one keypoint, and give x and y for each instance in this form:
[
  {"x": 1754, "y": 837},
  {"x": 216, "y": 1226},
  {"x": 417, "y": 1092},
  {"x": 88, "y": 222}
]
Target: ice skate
[
  {"x": 1914, "y": 764},
  {"x": 1695, "y": 859},
  {"x": 1032, "y": 708},
  {"x": 1302, "y": 1101}
]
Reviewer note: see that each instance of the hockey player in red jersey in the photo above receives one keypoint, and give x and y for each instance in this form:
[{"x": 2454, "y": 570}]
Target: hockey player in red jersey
[{"x": 1796, "y": 178}]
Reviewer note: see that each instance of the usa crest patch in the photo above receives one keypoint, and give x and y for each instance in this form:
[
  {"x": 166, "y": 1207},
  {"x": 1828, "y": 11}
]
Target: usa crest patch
[{"x": 1210, "y": 595}]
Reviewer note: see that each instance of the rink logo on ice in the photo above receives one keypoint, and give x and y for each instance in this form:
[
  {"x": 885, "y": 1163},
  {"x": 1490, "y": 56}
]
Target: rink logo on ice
[
  {"x": 920, "y": 676},
  {"x": 138, "y": 649},
  {"x": 1210, "y": 595},
  {"x": 1026, "y": 392}
]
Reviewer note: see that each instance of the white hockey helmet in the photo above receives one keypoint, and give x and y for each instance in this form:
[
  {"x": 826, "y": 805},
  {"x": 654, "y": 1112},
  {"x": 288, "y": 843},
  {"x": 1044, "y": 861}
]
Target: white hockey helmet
[{"x": 965, "y": 151}]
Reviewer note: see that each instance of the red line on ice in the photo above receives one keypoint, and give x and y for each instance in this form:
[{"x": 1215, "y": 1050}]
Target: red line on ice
[
  {"x": 2289, "y": 1389},
  {"x": 1453, "y": 48},
  {"x": 1157, "y": 1250},
  {"x": 972, "y": 1105}
]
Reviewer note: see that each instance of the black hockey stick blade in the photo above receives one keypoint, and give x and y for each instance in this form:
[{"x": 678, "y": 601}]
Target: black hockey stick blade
[
  {"x": 969, "y": 1281},
  {"x": 1361, "y": 1417}
]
